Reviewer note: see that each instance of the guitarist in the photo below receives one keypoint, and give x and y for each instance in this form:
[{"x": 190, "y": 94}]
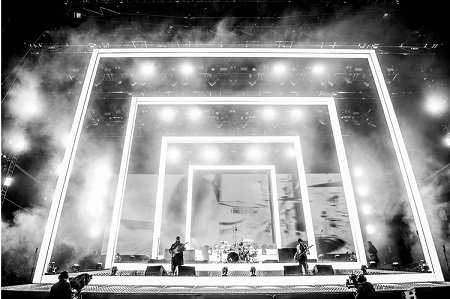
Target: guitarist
[
  {"x": 301, "y": 255},
  {"x": 176, "y": 250}
]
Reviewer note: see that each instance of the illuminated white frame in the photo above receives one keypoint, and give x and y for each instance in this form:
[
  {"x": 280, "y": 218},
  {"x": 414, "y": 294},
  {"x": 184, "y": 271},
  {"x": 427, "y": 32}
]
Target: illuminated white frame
[
  {"x": 421, "y": 222},
  {"x": 273, "y": 188},
  {"x": 295, "y": 140}
]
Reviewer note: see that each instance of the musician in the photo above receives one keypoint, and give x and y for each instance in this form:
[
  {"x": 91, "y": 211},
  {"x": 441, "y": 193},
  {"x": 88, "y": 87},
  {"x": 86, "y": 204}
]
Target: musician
[
  {"x": 176, "y": 250},
  {"x": 373, "y": 254},
  {"x": 301, "y": 255}
]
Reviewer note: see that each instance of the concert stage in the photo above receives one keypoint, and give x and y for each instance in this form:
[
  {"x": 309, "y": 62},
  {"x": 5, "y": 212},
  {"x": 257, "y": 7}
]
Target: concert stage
[{"x": 234, "y": 173}]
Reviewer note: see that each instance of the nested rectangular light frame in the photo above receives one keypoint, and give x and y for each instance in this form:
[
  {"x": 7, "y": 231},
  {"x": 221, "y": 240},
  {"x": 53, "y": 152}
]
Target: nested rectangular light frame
[
  {"x": 422, "y": 225},
  {"x": 238, "y": 168},
  {"x": 295, "y": 140}
]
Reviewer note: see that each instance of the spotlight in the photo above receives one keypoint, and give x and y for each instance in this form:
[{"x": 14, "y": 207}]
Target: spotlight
[
  {"x": 279, "y": 69},
  {"x": 187, "y": 69},
  {"x": 195, "y": 114},
  {"x": 65, "y": 140},
  {"x": 95, "y": 230},
  {"x": 268, "y": 114},
  {"x": 357, "y": 171},
  {"x": 167, "y": 114},
  {"x": 210, "y": 154},
  {"x": 147, "y": 69},
  {"x": 25, "y": 103},
  {"x": 17, "y": 142},
  {"x": 362, "y": 190},
  {"x": 296, "y": 114},
  {"x": 290, "y": 152},
  {"x": 254, "y": 153},
  {"x": 366, "y": 209},
  {"x": 318, "y": 69},
  {"x": 370, "y": 229},
  {"x": 173, "y": 155},
  {"x": 435, "y": 105},
  {"x": 446, "y": 140},
  {"x": 8, "y": 181}
]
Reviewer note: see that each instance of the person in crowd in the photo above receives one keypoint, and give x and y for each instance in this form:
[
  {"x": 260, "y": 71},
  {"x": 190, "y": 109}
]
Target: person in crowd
[{"x": 61, "y": 289}]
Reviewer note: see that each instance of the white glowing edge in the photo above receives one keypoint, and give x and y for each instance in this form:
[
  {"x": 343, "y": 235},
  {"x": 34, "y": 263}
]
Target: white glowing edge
[
  {"x": 344, "y": 171},
  {"x": 273, "y": 189},
  {"x": 58, "y": 198},
  {"x": 233, "y": 139}
]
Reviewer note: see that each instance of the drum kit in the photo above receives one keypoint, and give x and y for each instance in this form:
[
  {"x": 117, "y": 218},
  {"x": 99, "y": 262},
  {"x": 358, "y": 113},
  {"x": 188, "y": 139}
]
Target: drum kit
[{"x": 242, "y": 252}]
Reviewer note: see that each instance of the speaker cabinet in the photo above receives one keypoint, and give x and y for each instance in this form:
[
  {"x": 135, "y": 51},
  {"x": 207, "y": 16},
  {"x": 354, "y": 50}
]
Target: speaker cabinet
[
  {"x": 155, "y": 271},
  {"x": 292, "y": 270},
  {"x": 323, "y": 270},
  {"x": 286, "y": 255},
  {"x": 186, "y": 271}
]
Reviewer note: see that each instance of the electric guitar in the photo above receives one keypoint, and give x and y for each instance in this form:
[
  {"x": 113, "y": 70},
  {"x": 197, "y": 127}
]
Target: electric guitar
[
  {"x": 179, "y": 248},
  {"x": 298, "y": 255}
]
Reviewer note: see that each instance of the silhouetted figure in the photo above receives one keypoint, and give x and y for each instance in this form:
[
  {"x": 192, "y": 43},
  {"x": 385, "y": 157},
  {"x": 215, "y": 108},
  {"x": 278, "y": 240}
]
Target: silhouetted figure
[
  {"x": 301, "y": 255},
  {"x": 176, "y": 250},
  {"x": 364, "y": 289},
  {"x": 61, "y": 289},
  {"x": 373, "y": 254}
]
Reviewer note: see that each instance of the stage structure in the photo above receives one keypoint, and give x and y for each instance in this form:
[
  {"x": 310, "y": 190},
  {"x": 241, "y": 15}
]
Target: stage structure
[{"x": 229, "y": 172}]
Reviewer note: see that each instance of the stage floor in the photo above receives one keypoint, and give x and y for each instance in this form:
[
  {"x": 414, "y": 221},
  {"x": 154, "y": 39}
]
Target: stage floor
[{"x": 147, "y": 291}]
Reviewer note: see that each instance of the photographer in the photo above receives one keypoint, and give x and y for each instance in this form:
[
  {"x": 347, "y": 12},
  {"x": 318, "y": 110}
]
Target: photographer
[{"x": 364, "y": 289}]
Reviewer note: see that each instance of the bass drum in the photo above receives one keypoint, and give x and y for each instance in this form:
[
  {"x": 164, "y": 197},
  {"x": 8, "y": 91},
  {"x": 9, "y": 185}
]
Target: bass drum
[{"x": 233, "y": 257}]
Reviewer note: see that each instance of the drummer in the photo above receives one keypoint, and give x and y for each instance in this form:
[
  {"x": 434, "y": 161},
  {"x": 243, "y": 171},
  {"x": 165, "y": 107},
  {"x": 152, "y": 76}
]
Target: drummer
[{"x": 242, "y": 251}]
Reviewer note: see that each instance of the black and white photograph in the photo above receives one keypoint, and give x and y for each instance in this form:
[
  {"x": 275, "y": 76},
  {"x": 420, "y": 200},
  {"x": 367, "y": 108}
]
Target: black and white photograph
[{"x": 225, "y": 149}]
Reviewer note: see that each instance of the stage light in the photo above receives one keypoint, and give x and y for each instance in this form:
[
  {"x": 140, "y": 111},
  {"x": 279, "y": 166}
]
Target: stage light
[
  {"x": 366, "y": 209},
  {"x": 25, "y": 102},
  {"x": 357, "y": 171},
  {"x": 436, "y": 105},
  {"x": 210, "y": 154},
  {"x": 254, "y": 153},
  {"x": 8, "y": 181},
  {"x": 268, "y": 114},
  {"x": 65, "y": 140},
  {"x": 279, "y": 69},
  {"x": 147, "y": 69},
  {"x": 363, "y": 190},
  {"x": 290, "y": 152},
  {"x": 173, "y": 155},
  {"x": 370, "y": 229},
  {"x": 167, "y": 114},
  {"x": 296, "y": 114},
  {"x": 95, "y": 230},
  {"x": 318, "y": 69},
  {"x": 17, "y": 142},
  {"x": 195, "y": 114},
  {"x": 187, "y": 69},
  {"x": 446, "y": 140}
]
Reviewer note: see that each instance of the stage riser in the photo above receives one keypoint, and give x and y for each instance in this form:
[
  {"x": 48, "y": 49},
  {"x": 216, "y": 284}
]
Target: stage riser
[{"x": 421, "y": 294}]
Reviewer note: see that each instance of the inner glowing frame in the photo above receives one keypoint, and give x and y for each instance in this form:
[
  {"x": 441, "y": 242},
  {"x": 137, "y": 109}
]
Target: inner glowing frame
[
  {"x": 420, "y": 218},
  {"x": 295, "y": 140},
  {"x": 273, "y": 188}
]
